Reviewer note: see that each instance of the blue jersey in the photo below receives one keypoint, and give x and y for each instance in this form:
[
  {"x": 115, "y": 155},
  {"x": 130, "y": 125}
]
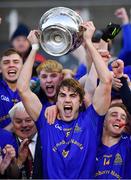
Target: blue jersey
[
  {"x": 43, "y": 98},
  {"x": 69, "y": 148},
  {"x": 112, "y": 161},
  {"x": 7, "y": 100},
  {"x": 7, "y": 137},
  {"x": 125, "y": 52}
]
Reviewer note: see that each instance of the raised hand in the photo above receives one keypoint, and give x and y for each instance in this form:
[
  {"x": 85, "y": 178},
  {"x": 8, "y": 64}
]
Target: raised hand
[
  {"x": 33, "y": 37},
  {"x": 51, "y": 114},
  {"x": 118, "y": 68},
  {"x": 121, "y": 13},
  {"x": 116, "y": 83},
  {"x": 23, "y": 152},
  {"x": 9, "y": 155},
  {"x": 89, "y": 30}
]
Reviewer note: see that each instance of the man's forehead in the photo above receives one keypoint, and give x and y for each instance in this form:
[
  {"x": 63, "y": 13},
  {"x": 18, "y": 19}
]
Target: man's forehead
[
  {"x": 21, "y": 115},
  {"x": 48, "y": 73},
  {"x": 69, "y": 89},
  {"x": 11, "y": 56},
  {"x": 21, "y": 111},
  {"x": 116, "y": 110},
  {"x": 20, "y": 37}
]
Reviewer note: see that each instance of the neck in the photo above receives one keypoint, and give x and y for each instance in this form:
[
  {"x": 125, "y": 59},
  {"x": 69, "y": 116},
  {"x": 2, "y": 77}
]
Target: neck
[
  {"x": 12, "y": 86},
  {"x": 110, "y": 140},
  {"x": 51, "y": 100}
]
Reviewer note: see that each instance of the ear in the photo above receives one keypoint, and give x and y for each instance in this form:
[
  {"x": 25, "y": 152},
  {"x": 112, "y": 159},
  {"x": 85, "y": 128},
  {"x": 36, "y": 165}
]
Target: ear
[
  {"x": 104, "y": 123},
  {"x": 0, "y": 68},
  {"x": 81, "y": 103},
  {"x": 61, "y": 76}
]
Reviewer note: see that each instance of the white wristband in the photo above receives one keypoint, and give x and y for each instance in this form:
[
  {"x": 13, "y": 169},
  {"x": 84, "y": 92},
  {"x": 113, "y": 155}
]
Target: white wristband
[{"x": 35, "y": 46}]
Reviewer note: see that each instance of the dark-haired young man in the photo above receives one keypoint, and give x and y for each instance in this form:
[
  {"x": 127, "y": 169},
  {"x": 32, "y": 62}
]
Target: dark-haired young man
[
  {"x": 11, "y": 64},
  {"x": 114, "y": 155},
  {"x": 69, "y": 145}
]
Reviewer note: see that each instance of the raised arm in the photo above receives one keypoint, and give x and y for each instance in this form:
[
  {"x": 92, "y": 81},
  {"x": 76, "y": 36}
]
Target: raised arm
[
  {"x": 101, "y": 98},
  {"x": 29, "y": 99},
  {"x": 121, "y": 13},
  {"x": 125, "y": 94},
  {"x": 125, "y": 52},
  {"x": 123, "y": 88},
  {"x": 91, "y": 80}
]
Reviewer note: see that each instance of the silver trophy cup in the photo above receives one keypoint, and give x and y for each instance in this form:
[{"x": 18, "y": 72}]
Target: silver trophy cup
[{"x": 60, "y": 31}]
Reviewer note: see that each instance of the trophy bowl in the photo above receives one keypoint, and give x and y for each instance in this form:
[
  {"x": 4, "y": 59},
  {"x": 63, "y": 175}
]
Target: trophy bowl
[{"x": 60, "y": 33}]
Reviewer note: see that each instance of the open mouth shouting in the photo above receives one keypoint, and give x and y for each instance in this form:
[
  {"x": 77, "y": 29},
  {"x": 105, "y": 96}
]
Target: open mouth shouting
[
  {"x": 12, "y": 73},
  {"x": 119, "y": 125},
  {"x": 50, "y": 89},
  {"x": 67, "y": 110}
]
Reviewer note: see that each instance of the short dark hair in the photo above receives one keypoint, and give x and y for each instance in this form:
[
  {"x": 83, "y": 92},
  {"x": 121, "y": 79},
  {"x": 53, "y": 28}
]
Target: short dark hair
[
  {"x": 73, "y": 85},
  {"x": 121, "y": 105},
  {"x": 8, "y": 52}
]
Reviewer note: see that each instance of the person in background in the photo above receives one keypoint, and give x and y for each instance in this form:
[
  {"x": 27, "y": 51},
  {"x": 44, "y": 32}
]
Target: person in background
[
  {"x": 125, "y": 51},
  {"x": 91, "y": 80},
  {"x": 20, "y": 42},
  {"x": 11, "y": 64},
  {"x": 50, "y": 75},
  {"x": 8, "y": 167},
  {"x": 8, "y": 146},
  {"x": 28, "y": 143},
  {"x": 0, "y": 70},
  {"x": 113, "y": 154},
  {"x": 120, "y": 83}
]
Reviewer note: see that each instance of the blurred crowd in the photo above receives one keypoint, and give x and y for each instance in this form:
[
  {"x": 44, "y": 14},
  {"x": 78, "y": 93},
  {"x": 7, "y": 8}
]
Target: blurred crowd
[{"x": 58, "y": 123}]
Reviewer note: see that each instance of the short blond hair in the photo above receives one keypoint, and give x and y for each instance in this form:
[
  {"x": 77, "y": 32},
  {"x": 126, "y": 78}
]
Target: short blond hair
[
  {"x": 68, "y": 71},
  {"x": 50, "y": 66}
]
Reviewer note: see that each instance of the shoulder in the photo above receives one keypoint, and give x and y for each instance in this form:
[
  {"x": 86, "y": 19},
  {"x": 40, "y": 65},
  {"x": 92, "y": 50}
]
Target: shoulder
[
  {"x": 7, "y": 137},
  {"x": 4, "y": 132},
  {"x": 91, "y": 110},
  {"x": 3, "y": 84}
]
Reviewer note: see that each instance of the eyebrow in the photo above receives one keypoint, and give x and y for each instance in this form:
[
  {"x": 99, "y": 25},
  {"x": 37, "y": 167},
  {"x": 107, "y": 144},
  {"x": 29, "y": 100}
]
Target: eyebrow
[
  {"x": 115, "y": 112},
  {"x": 17, "y": 119},
  {"x": 20, "y": 119},
  {"x": 10, "y": 60}
]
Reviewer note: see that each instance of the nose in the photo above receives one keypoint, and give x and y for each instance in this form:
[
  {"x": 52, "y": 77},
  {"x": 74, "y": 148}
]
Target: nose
[
  {"x": 48, "y": 79},
  {"x": 24, "y": 124},
  {"x": 67, "y": 99},
  {"x": 119, "y": 118},
  {"x": 11, "y": 63}
]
